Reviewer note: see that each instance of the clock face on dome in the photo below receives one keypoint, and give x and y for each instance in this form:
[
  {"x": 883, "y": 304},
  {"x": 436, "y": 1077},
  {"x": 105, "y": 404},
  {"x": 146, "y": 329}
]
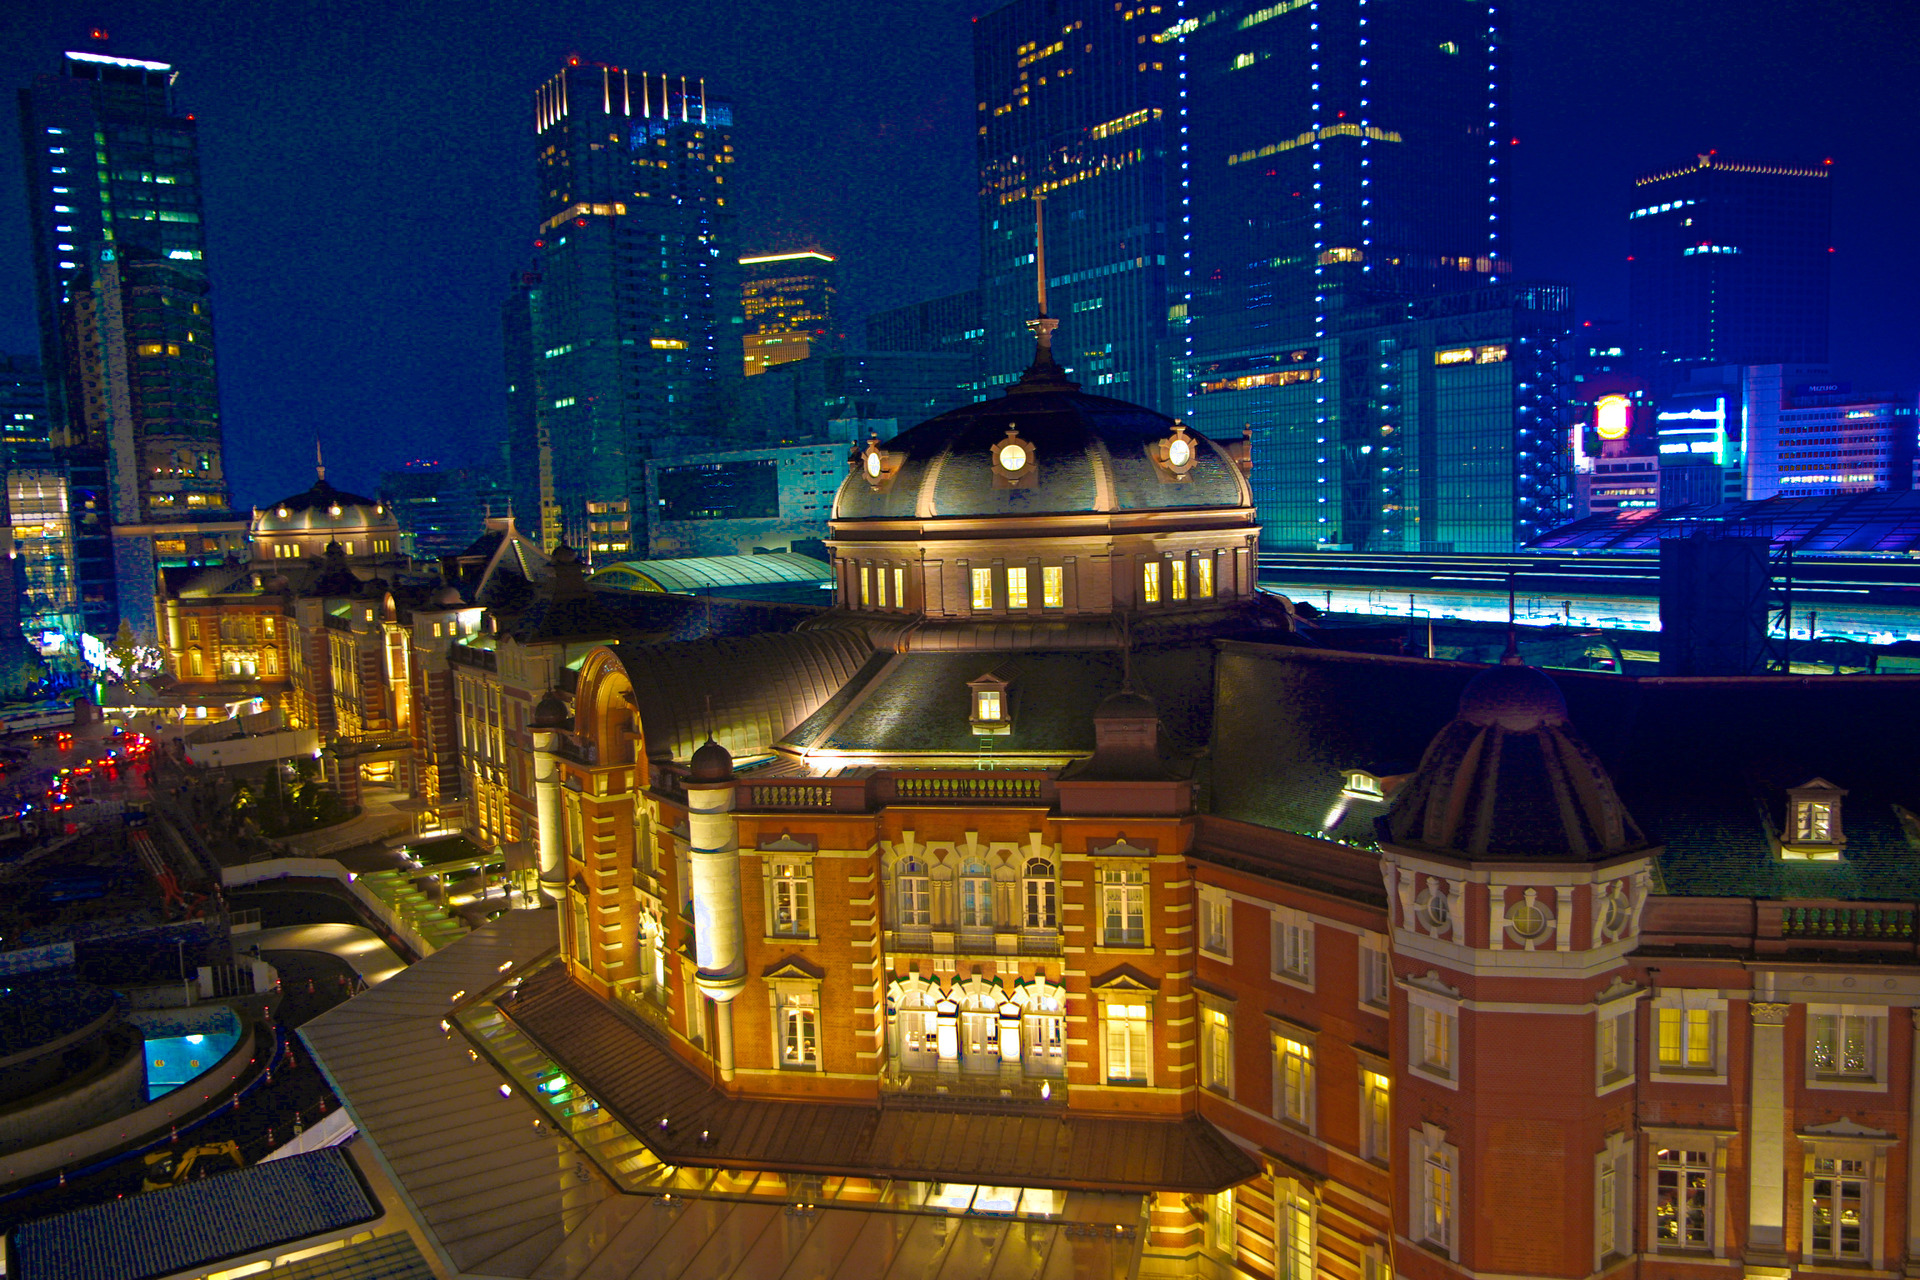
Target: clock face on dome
[
  {"x": 873, "y": 465},
  {"x": 1179, "y": 452},
  {"x": 1012, "y": 456}
]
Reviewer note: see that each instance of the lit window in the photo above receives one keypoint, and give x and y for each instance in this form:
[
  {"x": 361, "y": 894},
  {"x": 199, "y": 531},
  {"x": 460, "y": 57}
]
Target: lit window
[
  {"x": 899, "y": 588},
  {"x": 1053, "y": 593},
  {"x": 1838, "y": 1207},
  {"x": 793, "y": 900},
  {"x": 1127, "y": 1026},
  {"x": 1177, "y": 579},
  {"x": 1221, "y": 1236},
  {"x": 799, "y": 1030},
  {"x": 1203, "y": 577},
  {"x": 1843, "y": 1045},
  {"x": 1293, "y": 1081},
  {"x": 1150, "y": 582},
  {"x": 1216, "y": 1050},
  {"x": 1682, "y": 1199},
  {"x": 987, "y": 705},
  {"x": 1123, "y": 907},
  {"x": 1434, "y": 1053},
  {"x": 1433, "y": 1172},
  {"x": 866, "y": 575},
  {"x": 880, "y": 586},
  {"x": 1295, "y": 1245},
  {"x": 1813, "y": 822},
  {"x": 1686, "y": 1039},
  {"x": 1376, "y": 1115},
  {"x": 1017, "y": 587},
  {"x": 1041, "y": 895},
  {"x": 982, "y": 589}
]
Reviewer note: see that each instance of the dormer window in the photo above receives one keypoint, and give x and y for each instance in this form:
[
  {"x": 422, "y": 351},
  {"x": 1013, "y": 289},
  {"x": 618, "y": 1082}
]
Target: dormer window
[
  {"x": 1813, "y": 829},
  {"x": 1361, "y": 785},
  {"x": 990, "y": 711}
]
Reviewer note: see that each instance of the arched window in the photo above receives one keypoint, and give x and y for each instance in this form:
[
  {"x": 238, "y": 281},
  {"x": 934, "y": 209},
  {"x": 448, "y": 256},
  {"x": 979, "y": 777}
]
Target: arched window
[
  {"x": 979, "y": 1003},
  {"x": 270, "y": 662},
  {"x": 915, "y": 1040},
  {"x": 1041, "y": 895},
  {"x": 196, "y": 663},
  {"x": 1043, "y": 1029},
  {"x": 976, "y": 896},
  {"x": 916, "y": 901}
]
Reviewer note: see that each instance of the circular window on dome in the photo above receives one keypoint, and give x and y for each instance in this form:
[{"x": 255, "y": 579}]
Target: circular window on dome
[
  {"x": 1432, "y": 906},
  {"x": 873, "y": 465},
  {"x": 1013, "y": 461},
  {"x": 1527, "y": 918},
  {"x": 1176, "y": 454},
  {"x": 1613, "y": 912}
]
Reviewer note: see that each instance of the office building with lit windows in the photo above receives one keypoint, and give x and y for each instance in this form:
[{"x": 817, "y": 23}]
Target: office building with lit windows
[
  {"x": 788, "y": 303},
  {"x": 126, "y": 326},
  {"x": 1074, "y": 99},
  {"x": 635, "y": 325},
  {"x": 1730, "y": 264},
  {"x": 1338, "y": 223},
  {"x": 1438, "y": 424}
]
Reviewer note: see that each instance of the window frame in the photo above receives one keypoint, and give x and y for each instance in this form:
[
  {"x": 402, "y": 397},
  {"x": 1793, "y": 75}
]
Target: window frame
[
  {"x": 1434, "y": 1225},
  {"x": 1689, "y": 1005},
  {"x": 1296, "y": 1092},
  {"x": 1296, "y": 1231},
  {"x": 1293, "y": 937},
  {"x": 1427, "y": 1010},
  {"x": 1216, "y": 1043},
  {"x": 1878, "y": 1024},
  {"x": 1375, "y": 973},
  {"x": 1614, "y": 1063},
  {"x": 1150, "y": 582},
  {"x": 1844, "y": 1141},
  {"x": 980, "y": 583},
  {"x": 1109, "y": 888},
  {"x": 1045, "y": 886},
  {"x": 1712, "y": 1170},
  {"x": 1215, "y": 909},
  {"x": 912, "y": 880},
  {"x": 1053, "y": 586},
  {"x": 1017, "y": 597},
  {"x": 1376, "y": 1112},
  {"x": 1139, "y": 1014},
  {"x": 1613, "y": 1172},
  {"x": 795, "y": 875}
]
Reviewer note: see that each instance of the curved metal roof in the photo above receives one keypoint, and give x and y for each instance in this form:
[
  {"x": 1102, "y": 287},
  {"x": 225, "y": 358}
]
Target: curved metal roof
[
  {"x": 699, "y": 574},
  {"x": 1877, "y": 523}
]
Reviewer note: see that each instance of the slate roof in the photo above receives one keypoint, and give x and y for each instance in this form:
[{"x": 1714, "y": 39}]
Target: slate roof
[
  {"x": 630, "y": 1074},
  {"x": 1702, "y": 765},
  {"x": 196, "y": 1223},
  {"x": 920, "y": 703}
]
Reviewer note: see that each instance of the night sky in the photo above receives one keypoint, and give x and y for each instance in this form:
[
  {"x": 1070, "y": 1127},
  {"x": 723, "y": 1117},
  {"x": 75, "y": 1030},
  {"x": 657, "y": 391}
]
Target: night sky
[{"x": 368, "y": 184}]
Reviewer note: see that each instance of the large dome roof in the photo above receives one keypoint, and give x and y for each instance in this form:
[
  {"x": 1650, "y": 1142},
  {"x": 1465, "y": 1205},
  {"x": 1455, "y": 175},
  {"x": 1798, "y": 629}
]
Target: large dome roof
[
  {"x": 324, "y": 509},
  {"x": 1091, "y": 454}
]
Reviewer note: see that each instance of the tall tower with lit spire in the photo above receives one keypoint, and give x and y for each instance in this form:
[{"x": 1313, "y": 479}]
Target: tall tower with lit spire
[{"x": 634, "y": 333}]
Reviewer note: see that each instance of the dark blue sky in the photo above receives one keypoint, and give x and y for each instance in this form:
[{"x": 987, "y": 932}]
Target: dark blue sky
[{"x": 368, "y": 187}]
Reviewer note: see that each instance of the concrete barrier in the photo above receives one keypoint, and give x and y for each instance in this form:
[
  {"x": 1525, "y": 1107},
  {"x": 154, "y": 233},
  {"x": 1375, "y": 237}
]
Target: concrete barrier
[{"x": 271, "y": 869}]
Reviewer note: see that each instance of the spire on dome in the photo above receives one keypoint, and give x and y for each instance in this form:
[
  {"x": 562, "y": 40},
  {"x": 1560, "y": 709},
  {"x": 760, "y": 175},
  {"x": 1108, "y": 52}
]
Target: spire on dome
[
  {"x": 1045, "y": 373},
  {"x": 319, "y": 462}
]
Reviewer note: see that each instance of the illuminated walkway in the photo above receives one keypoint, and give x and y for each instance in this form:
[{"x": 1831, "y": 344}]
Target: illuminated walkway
[{"x": 362, "y": 948}]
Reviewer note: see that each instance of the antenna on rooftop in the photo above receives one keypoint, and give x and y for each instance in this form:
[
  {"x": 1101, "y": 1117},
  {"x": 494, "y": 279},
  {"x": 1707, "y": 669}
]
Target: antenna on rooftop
[{"x": 1511, "y": 657}]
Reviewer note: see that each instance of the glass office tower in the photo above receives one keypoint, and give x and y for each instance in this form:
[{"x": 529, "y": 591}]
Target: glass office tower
[
  {"x": 636, "y": 326},
  {"x": 126, "y": 323},
  {"x": 789, "y": 302},
  {"x": 1073, "y": 103},
  {"x": 1731, "y": 264}
]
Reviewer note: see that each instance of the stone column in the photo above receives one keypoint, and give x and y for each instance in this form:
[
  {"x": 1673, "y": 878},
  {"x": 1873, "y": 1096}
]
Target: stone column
[
  {"x": 546, "y": 798},
  {"x": 1767, "y": 1143},
  {"x": 714, "y": 854}
]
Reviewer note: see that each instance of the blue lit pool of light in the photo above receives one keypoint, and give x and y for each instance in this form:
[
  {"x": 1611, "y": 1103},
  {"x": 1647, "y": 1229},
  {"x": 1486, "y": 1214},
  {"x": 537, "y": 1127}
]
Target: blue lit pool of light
[{"x": 174, "y": 1060}]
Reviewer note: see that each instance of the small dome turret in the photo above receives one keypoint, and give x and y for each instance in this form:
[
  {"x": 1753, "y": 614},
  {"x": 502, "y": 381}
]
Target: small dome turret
[
  {"x": 711, "y": 763},
  {"x": 551, "y": 713}
]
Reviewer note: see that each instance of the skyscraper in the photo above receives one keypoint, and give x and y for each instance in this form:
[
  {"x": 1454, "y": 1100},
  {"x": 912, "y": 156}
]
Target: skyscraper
[
  {"x": 635, "y": 333},
  {"x": 1073, "y": 99},
  {"x": 126, "y": 325},
  {"x": 1338, "y": 225},
  {"x": 789, "y": 303},
  {"x": 1731, "y": 265}
]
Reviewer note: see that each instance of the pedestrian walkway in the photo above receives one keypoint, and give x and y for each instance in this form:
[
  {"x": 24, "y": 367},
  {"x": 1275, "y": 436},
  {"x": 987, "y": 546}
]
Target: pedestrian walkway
[{"x": 360, "y": 947}]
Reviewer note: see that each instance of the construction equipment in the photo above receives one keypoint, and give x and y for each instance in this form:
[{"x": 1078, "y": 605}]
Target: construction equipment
[{"x": 170, "y": 1168}]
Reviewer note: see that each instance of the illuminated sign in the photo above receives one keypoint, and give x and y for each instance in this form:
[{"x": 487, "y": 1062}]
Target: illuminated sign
[
  {"x": 1713, "y": 425},
  {"x": 1612, "y": 416},
  {"x": 1494, "y": 354}
]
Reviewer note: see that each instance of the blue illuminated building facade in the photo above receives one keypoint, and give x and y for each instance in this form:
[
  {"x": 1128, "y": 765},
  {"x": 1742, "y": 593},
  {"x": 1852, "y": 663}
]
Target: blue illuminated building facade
[
  {"x": 635, "y": 321},
  {"x": 1342, "y": 292},
  {"x": 1074, "y": 100},
  {"x": 1730, "y": 264}
]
